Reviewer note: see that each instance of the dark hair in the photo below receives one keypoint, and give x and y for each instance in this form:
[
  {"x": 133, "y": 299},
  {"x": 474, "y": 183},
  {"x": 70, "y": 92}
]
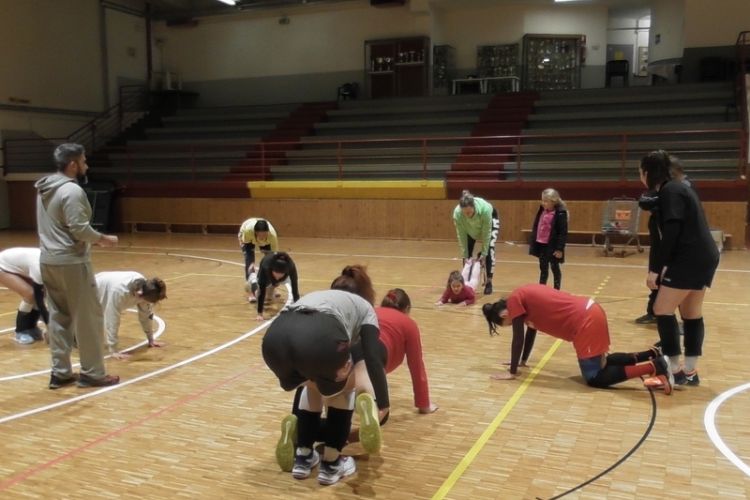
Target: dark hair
[
  {"x": 354, "y": 279},
  {"x": 261, "y": 226},
  {"x": 397, "y": 298},
  {"x": 655, "y": 166},
  {"x": 281, "y": 263},
  {"x": 492, "y": 315},
  {"x": 65, "y": 153},
  {"x": 152, "y": 290},
  {"x": 455, "y": 276},
  {"x": 466, "y": 199}
]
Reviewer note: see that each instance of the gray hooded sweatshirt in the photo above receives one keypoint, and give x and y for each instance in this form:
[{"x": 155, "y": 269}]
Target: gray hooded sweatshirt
[{"x": 63, "y": 215}]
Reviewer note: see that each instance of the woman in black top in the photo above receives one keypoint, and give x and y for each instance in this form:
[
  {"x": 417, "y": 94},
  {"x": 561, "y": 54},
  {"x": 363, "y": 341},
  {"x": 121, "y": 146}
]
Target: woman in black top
[
  {"x": 274, "y": 269},
  {"x": 684, "y": 264}
]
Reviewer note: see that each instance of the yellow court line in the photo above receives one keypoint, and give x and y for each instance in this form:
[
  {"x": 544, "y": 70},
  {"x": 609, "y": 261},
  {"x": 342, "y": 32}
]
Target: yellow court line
[
  {"x": 8, "y": 314},
  {"x": 479, "y": 444}
]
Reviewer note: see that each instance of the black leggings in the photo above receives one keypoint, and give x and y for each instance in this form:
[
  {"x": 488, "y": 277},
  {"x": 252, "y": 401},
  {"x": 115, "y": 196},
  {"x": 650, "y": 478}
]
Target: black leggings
[
  {"x": 490, "y": 257},
  {"x": 547, "y": 260}
]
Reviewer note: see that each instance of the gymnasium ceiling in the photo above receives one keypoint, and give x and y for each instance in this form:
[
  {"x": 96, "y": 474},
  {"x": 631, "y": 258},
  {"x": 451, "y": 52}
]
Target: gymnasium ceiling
[{"x": 186, "y": 9}]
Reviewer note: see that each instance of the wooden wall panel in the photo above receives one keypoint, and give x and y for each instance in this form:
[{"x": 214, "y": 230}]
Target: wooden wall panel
[{"x": 402, "y": 219}]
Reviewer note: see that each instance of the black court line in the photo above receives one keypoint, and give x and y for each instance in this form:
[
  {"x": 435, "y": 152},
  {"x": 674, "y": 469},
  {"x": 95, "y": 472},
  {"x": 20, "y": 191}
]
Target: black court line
[{"x": 624, "y": 457}]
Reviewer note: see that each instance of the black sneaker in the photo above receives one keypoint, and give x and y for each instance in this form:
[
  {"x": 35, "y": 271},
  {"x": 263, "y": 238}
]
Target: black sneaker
[
  {"x": 488, "y": 288},
  {"x": 646, "y": 319},
  {"x": 687, "y": 378},
  {"x": 56, "y": 382},
  {"x": 105, "y": 381}
]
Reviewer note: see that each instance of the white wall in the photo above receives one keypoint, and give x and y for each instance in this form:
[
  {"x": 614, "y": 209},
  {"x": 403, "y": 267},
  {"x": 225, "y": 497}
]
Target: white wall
[
  {"x": 126, "y": 51},
  {"x": 711, "y": 23},
  {"x": 50, "y": 53},
  {"x": 317, "y": 40},
  {"x": 50, "y": 56},
  {"x": 328, "y": 40},
  {"x": 667, "y": 21}
]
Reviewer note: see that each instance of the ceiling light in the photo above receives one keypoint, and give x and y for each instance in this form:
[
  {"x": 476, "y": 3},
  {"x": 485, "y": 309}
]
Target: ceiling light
[{"x": 228, "y": 2}]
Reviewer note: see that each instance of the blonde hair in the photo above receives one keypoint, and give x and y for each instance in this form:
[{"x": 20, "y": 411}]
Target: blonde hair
[{"x": 553, "y": 196}]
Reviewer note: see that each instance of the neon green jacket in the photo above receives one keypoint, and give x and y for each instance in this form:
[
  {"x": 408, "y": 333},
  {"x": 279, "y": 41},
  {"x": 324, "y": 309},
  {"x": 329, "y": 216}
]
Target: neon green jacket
[{"x": 479, "y": 226}]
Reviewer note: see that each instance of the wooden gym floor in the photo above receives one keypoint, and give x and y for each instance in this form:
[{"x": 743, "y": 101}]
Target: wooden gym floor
[{"x": 200, "y": 417}]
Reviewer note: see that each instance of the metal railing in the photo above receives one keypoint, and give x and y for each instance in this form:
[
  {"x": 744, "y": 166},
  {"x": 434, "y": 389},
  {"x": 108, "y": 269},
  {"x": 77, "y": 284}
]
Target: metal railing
[
  {"x": 719, "y": 153},
  {"x": 36, "y": 153}
]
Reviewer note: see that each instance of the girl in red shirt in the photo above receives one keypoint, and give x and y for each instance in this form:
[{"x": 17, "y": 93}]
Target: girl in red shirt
[
  {"x": 576, "y": 319},
  {"x": 399, "y": 336},
  {"x": 461, "y": 285}
]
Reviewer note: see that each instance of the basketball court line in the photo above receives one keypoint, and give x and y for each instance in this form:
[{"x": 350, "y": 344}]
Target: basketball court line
[
  {"x": 709, "y": 422},
  {"x": 34, "y": 470},
  {"x": 534, "y": 262},
  {"x": 473, "y": 452},
  {"x": 466, "y": 461},
  {"x": 160, "y": 329},
  {"x": 140, "y": 378}
]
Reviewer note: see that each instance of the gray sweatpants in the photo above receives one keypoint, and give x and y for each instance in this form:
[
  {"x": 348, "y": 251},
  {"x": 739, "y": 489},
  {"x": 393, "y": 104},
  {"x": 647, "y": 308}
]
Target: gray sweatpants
[{"x": 74, "y": 313}]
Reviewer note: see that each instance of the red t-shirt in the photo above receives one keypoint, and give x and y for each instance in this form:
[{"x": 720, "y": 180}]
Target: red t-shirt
[
  {"x": 465, "y": 295},
  {"x": 400, "y": 336},
  {"x": 551, "y": 311}
]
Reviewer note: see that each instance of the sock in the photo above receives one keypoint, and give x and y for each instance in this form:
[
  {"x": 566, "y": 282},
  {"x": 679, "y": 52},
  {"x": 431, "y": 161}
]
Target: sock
[
  {"x": 302, "y": 451},
  {"x": 674, "y": 362},
  {"x": 338, "y": 425},
  {"x": 25, "y": 306},
  {"x": 308, "y": 425},
  {"x": 640, "y": 370},
  {"x": 690, "y": 362}
]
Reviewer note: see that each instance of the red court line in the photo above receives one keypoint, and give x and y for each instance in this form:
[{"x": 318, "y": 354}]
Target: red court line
[{"x": 36, "y": 469}]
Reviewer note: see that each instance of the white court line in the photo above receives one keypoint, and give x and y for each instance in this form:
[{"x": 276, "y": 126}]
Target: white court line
[
  {"x": 709, "y": 422},
  {"x": 128, "y": 382},
  {"x": 124, "y": 250},
  {"x": 157, "y": 334},
  {"x": 146, "y": 376}
]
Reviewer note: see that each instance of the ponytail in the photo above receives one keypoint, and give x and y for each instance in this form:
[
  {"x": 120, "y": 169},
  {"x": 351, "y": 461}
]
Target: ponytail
[
  {"x": 354, "y": 279},
  {"x": 398, "y": 299}
]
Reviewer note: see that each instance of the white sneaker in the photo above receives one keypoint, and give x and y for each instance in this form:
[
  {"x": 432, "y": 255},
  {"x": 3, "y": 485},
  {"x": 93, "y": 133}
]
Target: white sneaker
[
  {"x": 333, "y": 472},
  {"x": 304, "y": 464}
]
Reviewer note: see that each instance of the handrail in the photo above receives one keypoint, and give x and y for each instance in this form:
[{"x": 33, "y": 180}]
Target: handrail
[{"x": 509, "y": 156}]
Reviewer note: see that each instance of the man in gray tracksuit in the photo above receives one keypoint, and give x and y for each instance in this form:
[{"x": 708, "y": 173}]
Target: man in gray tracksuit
[{"x": 65, "y": 238}]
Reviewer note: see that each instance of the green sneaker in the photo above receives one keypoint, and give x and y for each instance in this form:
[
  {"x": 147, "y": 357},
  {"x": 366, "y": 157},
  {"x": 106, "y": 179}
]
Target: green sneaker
[
  {"x": 286, "y": 445},
  {"x": 369, "y": 425}
]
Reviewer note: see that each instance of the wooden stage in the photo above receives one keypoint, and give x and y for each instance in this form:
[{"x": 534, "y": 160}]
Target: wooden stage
[{"x": 199, "y": 418}]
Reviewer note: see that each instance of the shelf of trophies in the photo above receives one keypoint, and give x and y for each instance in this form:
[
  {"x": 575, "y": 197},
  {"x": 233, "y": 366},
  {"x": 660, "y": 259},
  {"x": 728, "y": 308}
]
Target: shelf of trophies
[
  {"x": 498, "y": 66},
  {"x": 552, "y": 62},
  {"x": 443, "y": 68},
  {"x": 397, "y": 67}
]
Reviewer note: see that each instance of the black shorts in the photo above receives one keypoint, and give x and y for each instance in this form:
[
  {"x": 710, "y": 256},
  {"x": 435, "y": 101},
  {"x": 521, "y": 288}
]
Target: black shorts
[
  {"x": 689, "y": 278},
  {"x": 306, "y": 345}
]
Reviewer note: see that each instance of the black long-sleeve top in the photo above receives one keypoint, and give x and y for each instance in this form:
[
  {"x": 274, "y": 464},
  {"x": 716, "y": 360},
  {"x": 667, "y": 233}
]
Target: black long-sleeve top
[{"x": 266, "y": 279}]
